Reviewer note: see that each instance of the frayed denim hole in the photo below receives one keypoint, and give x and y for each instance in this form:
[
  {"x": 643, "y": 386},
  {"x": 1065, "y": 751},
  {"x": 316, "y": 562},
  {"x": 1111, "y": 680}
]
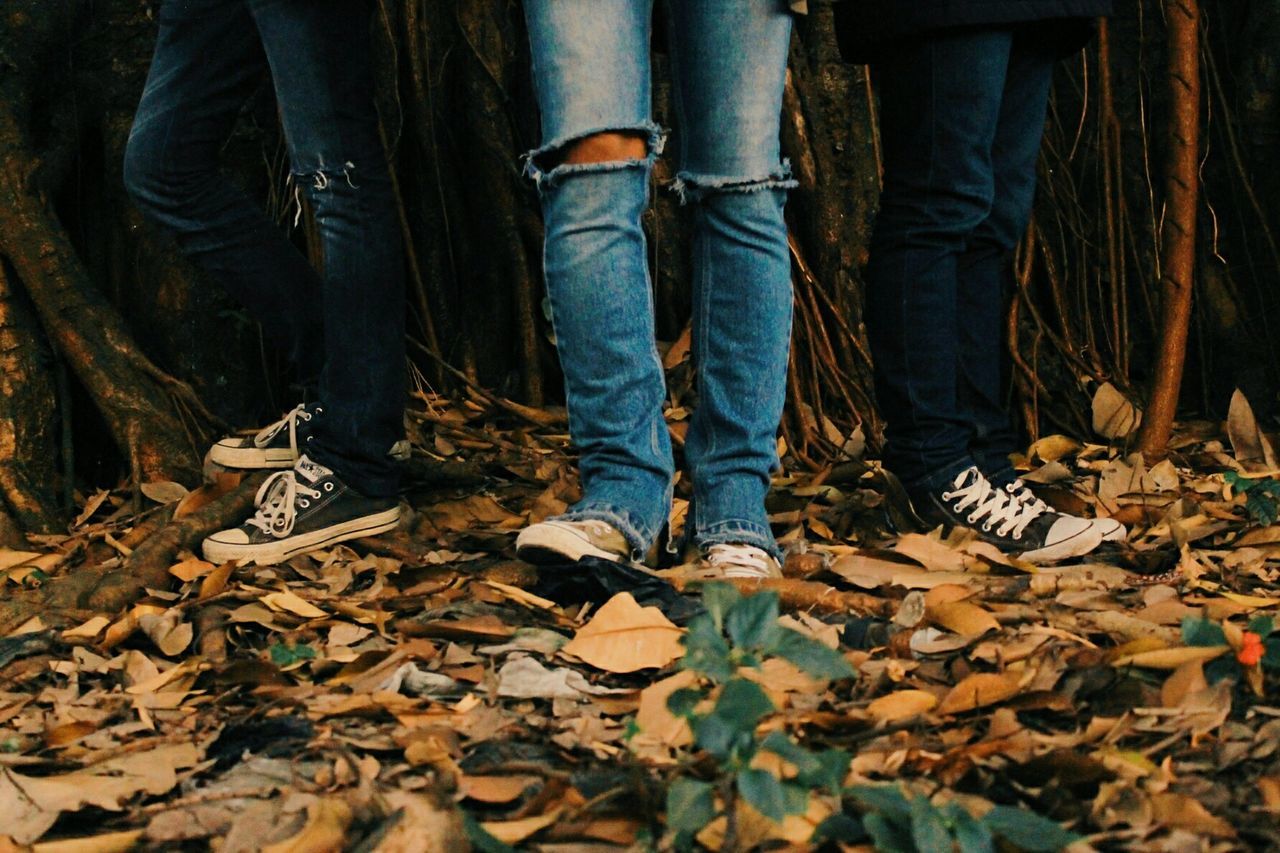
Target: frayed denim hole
[
  {"x": 655, "y": 141},
  {"x": 692, "y": 187}
]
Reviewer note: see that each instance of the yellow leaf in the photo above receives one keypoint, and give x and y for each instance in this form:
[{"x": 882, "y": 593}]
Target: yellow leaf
[
  {"x": 978, "y": 691},
  {"x": 88, "y": 631},
  {"x": 902, "y": 705},
  {"x": 324, "y": 832},
  {"x": 112, "y": 842},
  {"x": 1051, "y": 448},
  {"x": 494, "y": 789},
  {"x": 968, "y": 620},
  {"x": 286, "y": 601},
  {"x": 625, "y": 637},
  {"x": 1254, "y": 601},
  {"x": 515, "y": 831},
  {"x": 190, "y": 569},
  {"x": 1172, "y": 658}
]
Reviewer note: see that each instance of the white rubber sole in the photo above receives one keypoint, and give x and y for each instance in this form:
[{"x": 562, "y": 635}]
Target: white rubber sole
[
  {"x": 1076, "y": 546},
  {"x": 250, "y": 458},
  {"x": 269, "y": 553},
  {"x": 1111, "y": 530},
  {"x": 542, "y": 544}
]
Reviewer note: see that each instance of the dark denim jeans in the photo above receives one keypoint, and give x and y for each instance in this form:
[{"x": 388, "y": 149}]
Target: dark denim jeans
[
  {"x": 962, "y": 118},
  {"x": 346, "y": 325}
]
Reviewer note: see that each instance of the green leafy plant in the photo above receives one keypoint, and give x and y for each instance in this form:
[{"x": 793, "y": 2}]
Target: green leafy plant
[
  {"x": 285, "y": 654},
  {"x": 1262, "y": 646},
  {"x": 739, "y": 632},
  {"x": 897, "y": 823},
  {"x": 1261, "y": 496}
]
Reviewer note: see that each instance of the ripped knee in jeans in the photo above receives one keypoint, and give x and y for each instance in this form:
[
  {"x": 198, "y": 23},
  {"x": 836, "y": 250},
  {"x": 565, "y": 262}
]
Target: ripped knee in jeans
[
  {"x": 598, "y": 150},
  {"x": 693, "y": 187}
]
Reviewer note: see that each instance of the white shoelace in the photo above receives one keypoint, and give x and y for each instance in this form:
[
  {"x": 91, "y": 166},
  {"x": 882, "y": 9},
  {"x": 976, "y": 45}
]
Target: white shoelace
[
  {"x": 740, "y": 561},
  {"x": 279, "y": 498},
  {"x": 998, "y": 507},
  {"x": 290, "y": 421},
  {"x": 1022, "y": 492}
]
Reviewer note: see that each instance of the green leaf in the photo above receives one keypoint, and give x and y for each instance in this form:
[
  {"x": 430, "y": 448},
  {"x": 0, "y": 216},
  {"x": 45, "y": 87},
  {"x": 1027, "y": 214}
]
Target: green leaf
[
  {"x": 691, "y": 805},
  {"x": 683, "y": 701},
  {"x": 971, "y": 835},
  {"x": 841, "y": 827},
  {"x": 753, "y": 621},
  {"x": 825, "y": 769},
  {"x": 811, "y": 656},
  {"x": 1202, "y": 632},
  {"x": 1262, "y": 626},
  {"x": 928, "y": 829},
  {"x": 719, "y": 599},
  {"x": 706, "y": 651},
  {"x": 1027, "y": 830},
  {"x": 835, "y": 766},
  {"x": 1271, "y": 657},
  {"x": 887, "y": 835},
  {"x": 286, "y": 655},
  {"x": 795, "y": 798},
  {"x": 743, "y": 703},
  {"x": 764, "y": 792},
  {"x": 781, "y": 745},
  {"x": 719, "y": 736},
  {"x": 883, "y": 798},
  {"x": 481, "y": 840}
]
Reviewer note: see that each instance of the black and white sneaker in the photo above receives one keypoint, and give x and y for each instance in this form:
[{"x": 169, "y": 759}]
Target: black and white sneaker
[
  {"x": 302, "y": 509},
  {"x": 276, "y": 445},
  {"x": 1032, "y": 531},
  {"x": 1110, "y": 529}
]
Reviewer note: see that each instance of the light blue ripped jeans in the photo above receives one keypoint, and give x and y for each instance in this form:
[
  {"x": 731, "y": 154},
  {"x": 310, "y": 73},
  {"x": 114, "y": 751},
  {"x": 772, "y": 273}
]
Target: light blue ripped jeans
[{"x": 592, "y": 74}]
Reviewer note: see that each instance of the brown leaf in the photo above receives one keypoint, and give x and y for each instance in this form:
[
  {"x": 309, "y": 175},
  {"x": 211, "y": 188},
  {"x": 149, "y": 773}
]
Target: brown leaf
[
  {"x": 901, "y": 705},
  {"x": 978, "y": 691},
  {"x": 964, "y": 618},
  {"x": 1252, "y": 448},
  {"x": 494, "y": 789},
  {"x": 1172, "y": 658},
  {"x": 515, "y": 831},
  {"x": 164, "y": 492},
  {"x": 1114, "y": 416},
  {"x": 324, "y": 832},
  {"x": 625, "y": 637},
  {"x": 112, "y": 842}
]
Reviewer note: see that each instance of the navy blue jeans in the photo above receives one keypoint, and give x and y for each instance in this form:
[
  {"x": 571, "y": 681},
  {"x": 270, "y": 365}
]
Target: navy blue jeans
[
  {"x": 962, "y": 118},
  {"x": 344, "y": 327}
]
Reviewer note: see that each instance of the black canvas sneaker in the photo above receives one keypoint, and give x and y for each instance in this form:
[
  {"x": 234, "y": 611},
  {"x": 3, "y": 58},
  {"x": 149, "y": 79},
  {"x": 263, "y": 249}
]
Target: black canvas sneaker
[
  {"x": 1110, "y": 529},
  {"x": 302, "y": 509},
  {"x": 1032, "y": 531},
  {"x": 276, "y": 445}
]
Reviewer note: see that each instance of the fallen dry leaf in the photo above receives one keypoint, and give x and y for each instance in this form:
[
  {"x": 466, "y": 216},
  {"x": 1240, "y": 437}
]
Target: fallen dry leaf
[
  {"x": 978, "y": 691},
  {"x": 625, "y": 637}
]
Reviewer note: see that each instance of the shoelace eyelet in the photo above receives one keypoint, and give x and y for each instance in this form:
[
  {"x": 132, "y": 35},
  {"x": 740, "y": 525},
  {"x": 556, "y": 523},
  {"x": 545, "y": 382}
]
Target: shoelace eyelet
[
  {"x": 328, "y": 487},
  {"x": 303, "y": 502}
]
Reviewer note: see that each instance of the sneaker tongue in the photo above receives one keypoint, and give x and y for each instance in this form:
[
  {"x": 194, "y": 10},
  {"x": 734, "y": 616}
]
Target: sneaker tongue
[{"x": 309, "y": 470}]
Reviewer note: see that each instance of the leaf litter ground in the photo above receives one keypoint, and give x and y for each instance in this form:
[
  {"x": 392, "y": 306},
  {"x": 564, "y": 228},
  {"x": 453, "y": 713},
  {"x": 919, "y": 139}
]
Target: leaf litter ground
[{"x": 417, "y": 690}]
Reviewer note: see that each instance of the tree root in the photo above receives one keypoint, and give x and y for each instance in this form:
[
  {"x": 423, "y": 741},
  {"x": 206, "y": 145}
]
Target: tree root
[{"x": 148, "y": 565}]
